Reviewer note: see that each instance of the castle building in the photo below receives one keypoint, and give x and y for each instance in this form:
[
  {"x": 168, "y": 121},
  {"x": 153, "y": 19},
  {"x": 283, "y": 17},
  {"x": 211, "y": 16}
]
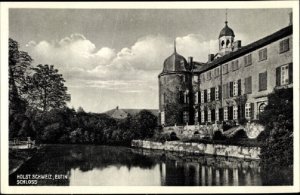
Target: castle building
[{"x": 231, "y": 86}]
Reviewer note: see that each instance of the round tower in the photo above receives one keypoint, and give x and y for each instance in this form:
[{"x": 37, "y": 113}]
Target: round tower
[
  {"x": 226, "y": 40},
  {"x": 175, "y": 91}
]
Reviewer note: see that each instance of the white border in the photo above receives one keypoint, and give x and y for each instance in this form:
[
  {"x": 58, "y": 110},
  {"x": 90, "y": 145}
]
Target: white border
[{"x": 143, "y": 5}]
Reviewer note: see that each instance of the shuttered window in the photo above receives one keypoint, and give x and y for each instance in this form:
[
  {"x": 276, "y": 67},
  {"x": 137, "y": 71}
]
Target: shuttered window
[
  {"x": 221, "y": 114},
  {"x": 231, "y": 89},
  {"x": 248, "y": 111},
  {"x": 208, "y": 95},
  {"x": 263, "y": 81},
  {"x": 202, "y": 116},
  {"x": 239, "y": 87},
  {"x": 196, "y": 97},
  {"x": 235, "y": 88},
  {"x": 212, "y": 94},
  {"x": 230, "y": 112},
  {"x": 225, "y": 69},
  {"x": 248, "y": 85},
  {"x": 217, "y": 72},
  {"x": 248, "y": 60},
  {"x": 205, "y": 96},
  {"x": 284, "y": 74},
  {"x": 225, "y": 114},
  {"x": 235, "y": 65},
  {"x": 217, "y": 93},
  {"x": 202, "y": 97},
  {"x": 235, "y": 112},
  {"x": 284, "y": 46},
  {"x": 263, "y": 54}
]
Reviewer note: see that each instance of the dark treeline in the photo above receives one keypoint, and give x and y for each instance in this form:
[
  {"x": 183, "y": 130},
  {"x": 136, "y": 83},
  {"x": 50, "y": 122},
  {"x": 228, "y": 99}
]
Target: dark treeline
[{"x": 37, "y": 109}]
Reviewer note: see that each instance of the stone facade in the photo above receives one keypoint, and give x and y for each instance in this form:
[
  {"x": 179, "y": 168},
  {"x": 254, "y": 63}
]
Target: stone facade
[
  {"x": 232, "y": 87},
  {"x": 200, "y": 148}
]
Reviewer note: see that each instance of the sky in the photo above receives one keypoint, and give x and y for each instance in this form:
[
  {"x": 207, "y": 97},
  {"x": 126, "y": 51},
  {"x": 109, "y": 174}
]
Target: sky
[{"x": 112, "y": 57}]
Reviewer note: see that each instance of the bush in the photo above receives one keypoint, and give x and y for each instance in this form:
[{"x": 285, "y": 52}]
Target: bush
[
  {"x": 277, "y": 147},
  {"x": 218, "y": 136}
]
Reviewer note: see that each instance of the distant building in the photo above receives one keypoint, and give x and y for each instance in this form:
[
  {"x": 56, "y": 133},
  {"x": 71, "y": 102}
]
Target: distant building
[
  {"x": 118, "y": 113},
  {"x": 231, "y": 86}
]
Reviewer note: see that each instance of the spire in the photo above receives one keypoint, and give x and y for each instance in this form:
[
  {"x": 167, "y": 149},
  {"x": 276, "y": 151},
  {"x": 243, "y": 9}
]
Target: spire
[
  {"x": 226, "y": 18},
  {"x": 175, "y": 45}
]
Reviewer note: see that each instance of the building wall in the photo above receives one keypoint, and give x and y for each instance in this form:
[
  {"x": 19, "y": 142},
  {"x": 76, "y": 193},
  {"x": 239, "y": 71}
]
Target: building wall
[
  {"x": 171, "y": 98},
  {"x": 274, "y": 60}
]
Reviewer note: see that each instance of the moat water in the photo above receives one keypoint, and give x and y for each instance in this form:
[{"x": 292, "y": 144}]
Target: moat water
[{"x": 90, "y": 165}]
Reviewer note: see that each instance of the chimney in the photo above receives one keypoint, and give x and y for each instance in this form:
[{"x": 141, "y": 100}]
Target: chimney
[
  {"x": 190, "y": 62},
  {"x": 291, "y": 18},
  {"x": 117, "y": 108},
  {"x": 237, "y": 45},
  {"x": 210, "y": 57}
]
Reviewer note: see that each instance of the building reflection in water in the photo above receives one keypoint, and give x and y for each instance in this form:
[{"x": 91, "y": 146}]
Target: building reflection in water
[{"x": 184, "y": 172}]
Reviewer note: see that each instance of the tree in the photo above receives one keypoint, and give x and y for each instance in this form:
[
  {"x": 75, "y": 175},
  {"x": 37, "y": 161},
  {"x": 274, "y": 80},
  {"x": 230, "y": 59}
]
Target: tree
[
  {"x": 277, "y": 147},
  {"x": 144, "y": 124},
  {"x": 80, "y": 109},
  {"x": 19, "y": 63},
  {"x": 46, "y": 89}
]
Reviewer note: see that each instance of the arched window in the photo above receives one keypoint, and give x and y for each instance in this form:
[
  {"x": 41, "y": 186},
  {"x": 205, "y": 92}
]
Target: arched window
[
  {"x": 222, "y": 43},
  {"x": 227, "y": 42},
  {"x": 262, "y": 107}
]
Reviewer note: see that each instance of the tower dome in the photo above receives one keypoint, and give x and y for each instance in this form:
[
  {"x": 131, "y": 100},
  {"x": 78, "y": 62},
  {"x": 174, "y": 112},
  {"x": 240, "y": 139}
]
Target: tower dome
[
  {"x": 175, "y": 62},
  {"x": 226, "y": 31}
]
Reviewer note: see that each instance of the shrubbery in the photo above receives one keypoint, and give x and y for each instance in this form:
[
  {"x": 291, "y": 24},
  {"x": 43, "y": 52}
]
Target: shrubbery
[{"x": 277, "y": 148}]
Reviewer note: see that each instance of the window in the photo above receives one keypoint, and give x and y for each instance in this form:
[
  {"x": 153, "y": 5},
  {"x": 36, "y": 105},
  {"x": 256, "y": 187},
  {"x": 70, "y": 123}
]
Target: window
[
  {"x": 235, "y": 112},
  {"x": 284, "y": 74},
  {"x": 231, "y": 89},
  {"x": 225, "y": 114},
  {"x": 248, "y": 85},
  {"x": 225, "y": 69},
  {"x": 248, "y": 60},
  {"x": 213, "y": 115},
  {"x": 262, "y": 54},
  {"x": 208, "y": 115},
  {"x": 186, "y": 97},
  {"x": 248, "y": 111},
  {"x": 217, "y": 93},
  {"x": 205, "y": 96},
  {"x": 196, "y": 97},
  {"x": 217, "y": 115},
  {"x": 262, "y": 81},
  {"x": 195, "y": 78},
  {"x": 208, "y": 95},
  {"x": 163, "y": 96},
  {"x": 202, "y": 97},
  {"x": 185, "y": 116},
  {"x": 262, "y": 108},
  {"x": 230, "y": 112},
  {"x": 234, "y": 65},
  {"x": 162, "y": 118},
  {"x": 208, "y": 75},
  {"x": 235, "y": 88},
  {"x": 202, "y": 116},
  {"x": 217, "y": 72},
  {"x": 284, "y": 46},
  {"x": 202, "y": 80},
  {"x": 196, "y": 116},
  {"x": 226, "y": 90},
  {"x": 212, "y": 94}
]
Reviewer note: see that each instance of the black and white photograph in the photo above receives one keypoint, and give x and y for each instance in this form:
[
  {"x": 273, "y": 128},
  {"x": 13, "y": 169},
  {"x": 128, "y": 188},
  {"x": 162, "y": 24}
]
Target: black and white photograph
[{"x": 150, "y": 95}]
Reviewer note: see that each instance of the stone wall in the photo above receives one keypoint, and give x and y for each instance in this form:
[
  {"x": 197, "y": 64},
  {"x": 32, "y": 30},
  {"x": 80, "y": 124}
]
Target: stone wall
[{"x": 200, "y": 148}]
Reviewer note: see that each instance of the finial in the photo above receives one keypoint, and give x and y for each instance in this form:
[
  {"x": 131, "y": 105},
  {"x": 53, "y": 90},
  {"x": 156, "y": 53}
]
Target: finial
[
  {"x": 175, "y": 45},
  {"x": 226, "y": 18}
]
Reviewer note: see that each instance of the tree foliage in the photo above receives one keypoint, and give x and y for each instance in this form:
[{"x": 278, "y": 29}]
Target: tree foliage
[
  {"x": 277, "y": 148},
  {"x": 46, "y": 89}
]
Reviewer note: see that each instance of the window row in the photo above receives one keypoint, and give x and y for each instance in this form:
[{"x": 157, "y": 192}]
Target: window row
[
  {"x": 226, "y": 113},
  {"x": 234, "y": 65}
]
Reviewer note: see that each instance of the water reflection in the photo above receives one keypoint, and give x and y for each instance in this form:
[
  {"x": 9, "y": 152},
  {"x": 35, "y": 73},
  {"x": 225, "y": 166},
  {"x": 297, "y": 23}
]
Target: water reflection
[{"x": 88, "y": 165}]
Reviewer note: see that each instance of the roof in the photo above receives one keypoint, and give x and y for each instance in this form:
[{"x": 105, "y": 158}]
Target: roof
[
  {"x": 175, "y": 62},
  {"x": 246, "y": 49},
  {"x": 226, "y": 31},
  {"x": 123, "y": 113}
]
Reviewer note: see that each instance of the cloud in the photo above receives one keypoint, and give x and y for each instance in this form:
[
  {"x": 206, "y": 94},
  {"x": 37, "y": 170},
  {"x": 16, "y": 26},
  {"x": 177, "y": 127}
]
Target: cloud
[{"x": 133, "y": 69}]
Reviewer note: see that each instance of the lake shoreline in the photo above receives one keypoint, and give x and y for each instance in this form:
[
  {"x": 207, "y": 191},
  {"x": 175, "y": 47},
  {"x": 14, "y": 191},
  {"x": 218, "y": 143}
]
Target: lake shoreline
[{"x": 243, "y": 152}]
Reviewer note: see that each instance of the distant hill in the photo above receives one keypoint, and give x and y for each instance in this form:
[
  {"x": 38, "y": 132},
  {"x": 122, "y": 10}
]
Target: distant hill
[{"x": 119, "y": 113}]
